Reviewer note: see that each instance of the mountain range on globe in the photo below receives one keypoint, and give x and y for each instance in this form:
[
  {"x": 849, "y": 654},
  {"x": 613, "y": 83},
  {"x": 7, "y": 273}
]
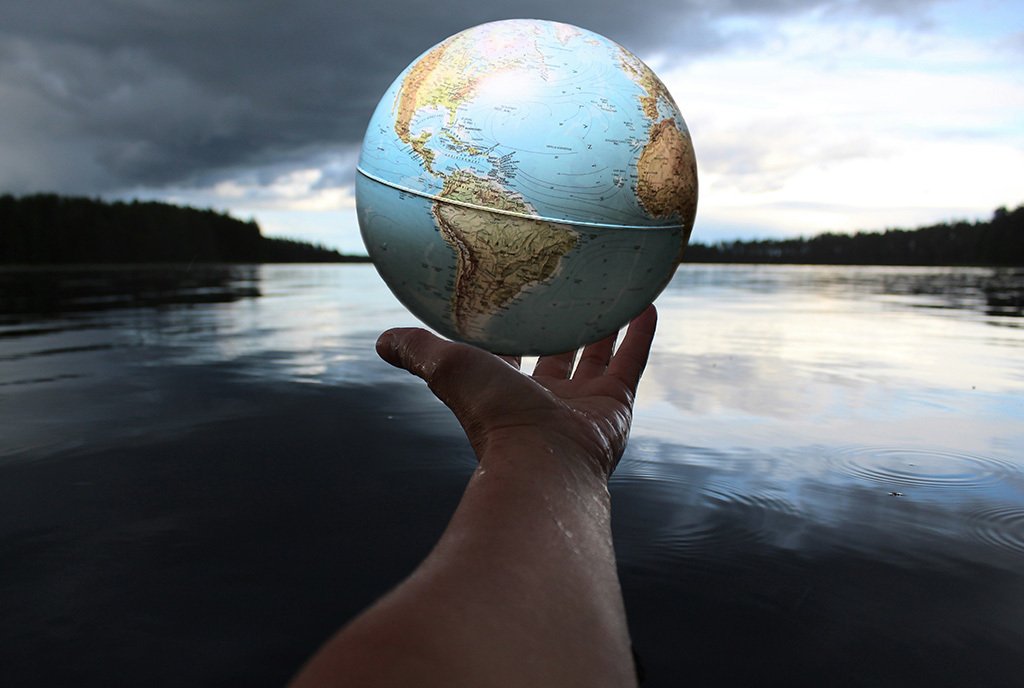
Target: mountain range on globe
[{"x": 526, "y": 186}]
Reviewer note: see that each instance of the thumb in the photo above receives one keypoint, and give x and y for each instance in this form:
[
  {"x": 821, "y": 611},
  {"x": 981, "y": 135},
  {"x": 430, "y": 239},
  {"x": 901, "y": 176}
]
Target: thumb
[
  {"x": 412, "y": 349},
  {"x": 456, "y": 373}
]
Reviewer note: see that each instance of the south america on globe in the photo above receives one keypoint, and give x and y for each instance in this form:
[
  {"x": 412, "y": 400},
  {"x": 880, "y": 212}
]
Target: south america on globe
[{"x": 526, "y": 186}]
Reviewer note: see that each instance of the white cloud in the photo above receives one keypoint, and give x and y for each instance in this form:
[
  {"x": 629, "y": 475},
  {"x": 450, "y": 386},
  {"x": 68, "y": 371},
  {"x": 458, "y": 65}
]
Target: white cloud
[
  {"x": 336, "y": 228},
  {"x": 802, "y": 123},
  {"x": 312, "y": 200},
  {"x": 857, "y": 126},
  {"x": 300, "y": 189}
]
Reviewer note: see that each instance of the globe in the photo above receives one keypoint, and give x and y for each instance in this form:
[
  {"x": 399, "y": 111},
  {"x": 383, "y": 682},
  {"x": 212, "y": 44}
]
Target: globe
[{"x": 526, "y": 186}]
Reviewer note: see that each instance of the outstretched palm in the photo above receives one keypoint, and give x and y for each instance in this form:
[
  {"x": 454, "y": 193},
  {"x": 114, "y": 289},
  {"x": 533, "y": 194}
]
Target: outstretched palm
[{"x": 590, "y": 407}]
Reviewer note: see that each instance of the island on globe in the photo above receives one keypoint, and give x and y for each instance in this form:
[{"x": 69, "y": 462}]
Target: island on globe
[{"x": 526, "y": 186}]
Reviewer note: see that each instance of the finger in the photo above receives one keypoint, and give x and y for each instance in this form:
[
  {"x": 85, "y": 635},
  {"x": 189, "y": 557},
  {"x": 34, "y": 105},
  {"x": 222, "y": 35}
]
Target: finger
[
  {"x": 514, "y": 361},
  {"x": 629, "y": 361},
  {"x": 436, "y": 361},
  {"x": 454, "y": 372},
  {"x": 413, "y": 349},
  {"x": 559, "y": 365},
  {"x": 594, "y": 359}
]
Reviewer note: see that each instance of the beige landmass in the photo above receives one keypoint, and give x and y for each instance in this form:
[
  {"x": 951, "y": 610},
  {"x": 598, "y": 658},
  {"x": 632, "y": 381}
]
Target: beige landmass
[
  {"x": 654, "y": 89},
  {"x": 466, "y": 187},
  {"x": 565, "y": 33},
  {"x": 451, "y": 73},
  {"x": 497, "y": 256},
  {"x": 667, "y": 174},
  {"x": 441, "y": 79}
]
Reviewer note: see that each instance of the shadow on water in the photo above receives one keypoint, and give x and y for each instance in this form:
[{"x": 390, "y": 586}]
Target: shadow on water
[
  {"x": 225, "y": 551},
  {"x": 995, "y": 292},
  {"x": 31, "y": 292}
]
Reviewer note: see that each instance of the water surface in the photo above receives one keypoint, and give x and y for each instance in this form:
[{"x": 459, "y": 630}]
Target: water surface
[{"x": 205, "y": 470}]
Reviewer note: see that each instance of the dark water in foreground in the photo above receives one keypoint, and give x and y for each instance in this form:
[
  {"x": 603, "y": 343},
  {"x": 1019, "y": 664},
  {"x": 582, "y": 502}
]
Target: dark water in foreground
[{"x": 204, "y": 473}]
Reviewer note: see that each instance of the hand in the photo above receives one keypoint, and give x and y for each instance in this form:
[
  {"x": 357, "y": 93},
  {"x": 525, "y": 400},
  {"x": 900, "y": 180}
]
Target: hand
[
  {"x": 526, "y": 566},
  {"x": 587, "y": 412}
]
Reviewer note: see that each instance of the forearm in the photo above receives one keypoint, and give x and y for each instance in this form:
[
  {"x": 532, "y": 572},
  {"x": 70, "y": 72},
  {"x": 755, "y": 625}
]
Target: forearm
[
  {"x": 533, "y": 535},
  {"x": 521, "y": 589}
]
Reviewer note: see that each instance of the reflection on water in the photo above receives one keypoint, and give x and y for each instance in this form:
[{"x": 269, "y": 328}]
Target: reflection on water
[
  {"x": 1002, "y": 526},
  {"x": 922, "y": 468},
  {"x": 996, "y": 292},
  {"x": 825, "y": 482},
  {"x": 27, "y": 291}
]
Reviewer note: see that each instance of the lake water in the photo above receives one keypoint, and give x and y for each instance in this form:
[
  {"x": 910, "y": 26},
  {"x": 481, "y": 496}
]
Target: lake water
[{"x": 205, "y": 471}]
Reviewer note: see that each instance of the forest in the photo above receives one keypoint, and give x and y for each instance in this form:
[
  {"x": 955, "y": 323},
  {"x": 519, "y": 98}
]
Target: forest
[
  {"x": 47, "y": 228},
  {"x": 999, "y": 241}
]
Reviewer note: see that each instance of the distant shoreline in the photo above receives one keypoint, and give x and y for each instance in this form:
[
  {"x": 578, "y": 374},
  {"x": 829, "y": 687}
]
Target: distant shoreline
[
  {"x": 992, "y": 243},
  {"x": 157, "y": 265},
  {"x": 47, "y": 229},
  {"x": 53, "y": 230}
]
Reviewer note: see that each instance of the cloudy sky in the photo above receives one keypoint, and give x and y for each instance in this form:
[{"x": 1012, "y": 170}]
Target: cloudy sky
[{"x": 806, "y": 115}]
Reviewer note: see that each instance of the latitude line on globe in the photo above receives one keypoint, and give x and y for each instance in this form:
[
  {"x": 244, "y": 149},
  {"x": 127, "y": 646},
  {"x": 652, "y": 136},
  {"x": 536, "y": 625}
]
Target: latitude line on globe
[{"x": 512, "y": 213}]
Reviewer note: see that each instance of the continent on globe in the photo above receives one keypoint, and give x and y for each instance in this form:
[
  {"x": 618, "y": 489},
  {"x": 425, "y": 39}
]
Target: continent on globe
[
  {"x": 498, "y": 255},
  {"x": 667, "y": 173},
  {"x": 526, "y": 186},
  {"x": 444, "y": 78}
]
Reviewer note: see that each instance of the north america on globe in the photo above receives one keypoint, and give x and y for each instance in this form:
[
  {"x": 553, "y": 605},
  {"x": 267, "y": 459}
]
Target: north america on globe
[{"x": 526, "y": 186}]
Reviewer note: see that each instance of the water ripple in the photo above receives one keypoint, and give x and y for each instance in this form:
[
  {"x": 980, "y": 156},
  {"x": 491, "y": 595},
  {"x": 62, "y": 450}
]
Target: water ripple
[
  {"x": 921, "y": 468},
  {"x": 1001, "y": 526},
  {"x": 702, "y": 515},
  {"x": 730, "y": 497},
  {"x": 704, "y": 538}
]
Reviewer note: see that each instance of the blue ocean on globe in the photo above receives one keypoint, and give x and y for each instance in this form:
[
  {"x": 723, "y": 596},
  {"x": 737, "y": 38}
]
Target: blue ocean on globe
[{"x": 526, "y": 186}]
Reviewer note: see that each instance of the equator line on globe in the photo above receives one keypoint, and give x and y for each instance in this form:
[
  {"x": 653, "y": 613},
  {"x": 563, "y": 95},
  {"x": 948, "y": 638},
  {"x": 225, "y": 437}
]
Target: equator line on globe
[{"x": 526, "y": 186}]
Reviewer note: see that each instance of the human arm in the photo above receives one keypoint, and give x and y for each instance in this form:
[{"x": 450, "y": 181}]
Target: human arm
[{"x": 521, "y": 589}]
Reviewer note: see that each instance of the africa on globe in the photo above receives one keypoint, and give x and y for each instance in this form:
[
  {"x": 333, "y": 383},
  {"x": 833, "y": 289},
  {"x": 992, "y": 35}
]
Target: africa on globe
[{"x": 526, "y": 186}]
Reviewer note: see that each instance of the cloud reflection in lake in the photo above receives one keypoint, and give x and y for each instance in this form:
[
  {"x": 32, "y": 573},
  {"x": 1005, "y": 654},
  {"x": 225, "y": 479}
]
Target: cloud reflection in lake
[{"x": 822, "y": 459}]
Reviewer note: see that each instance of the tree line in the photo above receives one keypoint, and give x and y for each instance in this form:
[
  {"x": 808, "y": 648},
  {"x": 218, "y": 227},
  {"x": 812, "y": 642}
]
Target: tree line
[
  {"x": 999, "y": 241},
  {"x": 48, "y": 228}
]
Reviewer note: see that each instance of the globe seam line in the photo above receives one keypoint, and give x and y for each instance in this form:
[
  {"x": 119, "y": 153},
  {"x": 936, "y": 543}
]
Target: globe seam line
[{"x": 512, "y": 213}]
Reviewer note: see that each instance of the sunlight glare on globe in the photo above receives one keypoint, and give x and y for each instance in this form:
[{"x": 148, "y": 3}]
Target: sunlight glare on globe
[
  {"x": 526, "y": 186},
  {"x": 511, "y": 85}
]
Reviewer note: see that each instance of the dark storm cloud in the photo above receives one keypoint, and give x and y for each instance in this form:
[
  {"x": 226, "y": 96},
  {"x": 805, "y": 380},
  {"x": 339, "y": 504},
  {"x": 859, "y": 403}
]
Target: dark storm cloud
[{"x": 111, "y": 94}]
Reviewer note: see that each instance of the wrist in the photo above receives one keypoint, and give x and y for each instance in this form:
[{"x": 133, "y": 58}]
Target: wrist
[{"x": 543, "y": 460}]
